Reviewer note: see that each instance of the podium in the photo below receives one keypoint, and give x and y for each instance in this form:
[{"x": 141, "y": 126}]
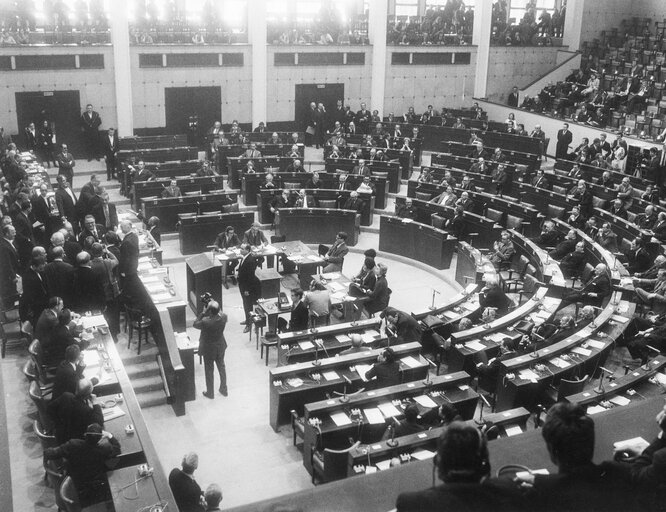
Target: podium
[
  {"x": 204, "y": 274},
  {"x": 270, "y": 282}
]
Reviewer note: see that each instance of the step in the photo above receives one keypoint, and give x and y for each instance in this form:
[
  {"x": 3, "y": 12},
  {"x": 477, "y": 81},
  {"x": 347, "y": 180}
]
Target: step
[
  {"x": 148, "y": 383},
  {"x": 151, "y": 399}
]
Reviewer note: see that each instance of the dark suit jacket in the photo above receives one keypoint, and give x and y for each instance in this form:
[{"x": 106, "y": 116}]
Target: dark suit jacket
[
  {"x": 212, "y": 338},
  {"x": 461, "y": 497},
  {"x": 494, "y": 298},
  {"x": 129, "y": 255},
  {"x": 378, "y": 298},
  {"x": 66, "y": 205},
  {"x": 35, "y": 296},
  {"x": 299, "y": 318},
  {"x": 247, "y": 279},
  {"x": 222, "y": 243},
  {"x": 388, "y": 374},
  {"x": 547, "y": 239},
  {"x": 24, "y": 227},
  {"x": 563, "y": 141},
  {"x": 72, "y": 416},
  {"x": 9, "y": 268},
  {"x": 40, "y": 210},
  {"x": 186, "y": 491},
  {"x": 85, "y": 233},
  {"x": 110, "y": 149},
  {"x": 91, "y": 123},
  {"x": 639, "y": 261},
  {"x": 573, "y": 263},
  {"x": 100, "y": 218},
  {"x": 66, "y": 379},
  {"x": 88, "y": 290},
  {"x": 59, "y": 277},
  {"x": 254, "y": 239}
]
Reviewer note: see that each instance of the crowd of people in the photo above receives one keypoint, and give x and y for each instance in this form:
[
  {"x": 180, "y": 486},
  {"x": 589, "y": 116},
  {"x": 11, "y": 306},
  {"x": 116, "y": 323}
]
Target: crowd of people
[
  {"x": 533, "y": 29},
  {"x": 451, "y": 24}
]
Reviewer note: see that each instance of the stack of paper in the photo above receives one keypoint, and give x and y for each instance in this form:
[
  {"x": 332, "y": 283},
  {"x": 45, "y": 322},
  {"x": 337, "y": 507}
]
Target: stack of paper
[
  {"x": 343, "y": 338},
  {"x": 497, "y": 337},
  {"x": 595, "y": 409},
  {"x": 410, "y": 362},
  {"x": 362, "y": 369},
  {"x": 596, "y": 344},
  {"x": 295, "y": 383},
  {"x": 305, "y": 345},
  {"x": 582, "y": 351},
  {"x": 368, "y": 337},
  {"x": 560, "y": 363},
  {"x": 389, "y": 410},
  {"x": 513, "y": 431},
  {"x": 425, "y": 401},
  {"x": 331, "y": 275},
  {"x": 373, "y": 415},
  {"x": 91, "y": 357},
  {"x": 620, "y": 319},
  {"x": 340, "y": 419},
  {"x": 528, "y": 375},
  {"x": 113, "y": 413},
  {"x": 149, "y": 279},
  {"x": 450, "y": 314},
  {"x": 384, "y": 464},
  {"x": 330, "y": 375},
  {"x": 423, "y": 454},
  {"x": 470, "y": 305},
  {"x": 620, "y": 400}
]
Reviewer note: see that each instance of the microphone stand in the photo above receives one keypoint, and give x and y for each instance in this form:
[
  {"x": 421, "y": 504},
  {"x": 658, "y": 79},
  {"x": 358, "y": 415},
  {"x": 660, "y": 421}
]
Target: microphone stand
[
  {"x": 482, "y": 401},
  {"x": 345, "y": 398},
  {"x": 427, "y": 382},
  {"x": 432, "y": 303},
  {"x": 392, "y": 442},
  {"x": 600, "y": 390},
  {"x": 316, "y": 362}
]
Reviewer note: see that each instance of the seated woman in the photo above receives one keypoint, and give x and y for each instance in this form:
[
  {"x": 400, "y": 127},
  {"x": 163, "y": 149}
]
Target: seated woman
[{"x": 378, "y": 298}]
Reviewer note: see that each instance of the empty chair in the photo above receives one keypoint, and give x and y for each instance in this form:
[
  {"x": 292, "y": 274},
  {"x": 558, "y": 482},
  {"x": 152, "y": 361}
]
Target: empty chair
[
  {"x": 330, "y": 465},
  {"x": 566, "y": 388},
  {"x": 423, "y": 196},
  {"x": 40, "y": 401},
  {"x": 10, "y": 326},
  {"x": 139, "y": 322}
]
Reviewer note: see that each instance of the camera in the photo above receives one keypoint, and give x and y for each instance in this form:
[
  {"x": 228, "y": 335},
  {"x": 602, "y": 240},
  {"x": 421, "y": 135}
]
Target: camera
[{"x": 206, "y": 298}]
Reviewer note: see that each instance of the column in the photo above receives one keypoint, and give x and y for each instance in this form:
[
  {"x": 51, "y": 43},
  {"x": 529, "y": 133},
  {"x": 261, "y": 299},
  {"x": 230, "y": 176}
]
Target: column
[
  {"x": 122, "y": 68},
  {"x": 573, "y": 24},
  {"x": 483, "y": 14},
  {"x": 377, "y": 35},
  {"x": 257, "y": 32}
]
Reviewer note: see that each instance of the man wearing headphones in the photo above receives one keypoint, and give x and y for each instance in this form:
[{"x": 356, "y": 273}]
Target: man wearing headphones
[{"x": 462, "y": 464}]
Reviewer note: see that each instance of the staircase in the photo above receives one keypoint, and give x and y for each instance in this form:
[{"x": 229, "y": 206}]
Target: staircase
[{"x": 144, "y": 374}]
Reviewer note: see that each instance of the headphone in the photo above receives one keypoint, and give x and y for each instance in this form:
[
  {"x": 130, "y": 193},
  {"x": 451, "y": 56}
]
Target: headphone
[{"x": 480, "y": 467}]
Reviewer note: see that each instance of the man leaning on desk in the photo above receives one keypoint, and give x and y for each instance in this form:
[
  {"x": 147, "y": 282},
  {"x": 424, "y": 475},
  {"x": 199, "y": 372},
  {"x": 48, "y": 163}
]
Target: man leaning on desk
[{"x": 228, "y": 240}]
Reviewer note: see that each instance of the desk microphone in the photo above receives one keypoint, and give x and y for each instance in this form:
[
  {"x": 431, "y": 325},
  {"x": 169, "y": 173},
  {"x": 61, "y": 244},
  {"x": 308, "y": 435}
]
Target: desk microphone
[
  {"x": 482, "y": 400},
  {"x": 392, "y": 442},
  {"x": 344, "y": 398},
  {"x": 432, "y": 304},
  {"x": 600, "y": 389},
  {"x": 427, "y": 382}
]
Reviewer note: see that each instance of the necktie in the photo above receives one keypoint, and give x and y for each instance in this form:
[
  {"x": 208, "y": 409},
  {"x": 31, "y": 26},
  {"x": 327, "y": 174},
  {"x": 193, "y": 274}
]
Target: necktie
[{"x": 106, "y": 216}]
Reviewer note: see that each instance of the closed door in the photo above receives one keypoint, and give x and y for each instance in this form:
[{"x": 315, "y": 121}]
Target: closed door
[
  {"x": 183, "y": 102},
  {"x": 61, "y": 108}
]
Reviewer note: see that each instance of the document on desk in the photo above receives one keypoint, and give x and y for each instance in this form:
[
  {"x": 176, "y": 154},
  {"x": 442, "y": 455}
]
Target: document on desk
[
  {"x": 528, "y": 375},
  {"x": 295, "y": 382},
  {"x": 383, "y": 465},
  {"x": 425, "y": 401},
  {"x": 155, "y": 287},
  {"x": 93, "y": 321},
  {"x": 497, "y": 337},
  {"x": 423, "y": 454},
  {"x": 305, "y": 345},
  {"x": 475, "y": 345},
  {"x": 635, "y": 442},
  {"x": 314, "y": 257},
  {"x": 144, "y": 259},
  {"x": 389, "y": 410},
  {"x": 620, "y": 400},
  {"x": 112, "y": 413},
  {"x": 331, "y": 375},
  {"x": 91, "y": 357},
  {"x": 374, "y": 416},
  {"x": 337, "y": 287},
  {"x": 144, "y": 266},
  {"x": 450, "y": 314},
  {"x": 369, "y": 336},
  {"x": 620, "y": 319},
  {"x": 149, "y": 279},
  {"x": 513, "y": 431},
  {"x": 560, "y": 363},
  {"x": 270, "y": 249},
  {"x": 222, "y": 257},
  {"x": 410, "y": 362},
  {"x": 582, "y": 351},
  {"x": 331, "y": 275},
  {"x": 470, "y": 305},
  {"x": 543, "y": 314},
  {"x": 343, "y": 338},
  {"x": 340, "y": 419},
  {"x": 596, "y": 344},
  {"x": 595, "y": 409},
  {"x": 362, "y": 369}
]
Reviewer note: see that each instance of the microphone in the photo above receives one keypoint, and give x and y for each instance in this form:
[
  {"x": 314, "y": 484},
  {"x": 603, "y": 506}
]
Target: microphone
[
  {"x": 482, "y": 400},
  {"x": 600, "y": 389},
  {"x": 427, "y": 382},
  {"x": 345, "y": 398},
  {"x": 606, "y": 370},
  {"x": 392, "y": 442}
]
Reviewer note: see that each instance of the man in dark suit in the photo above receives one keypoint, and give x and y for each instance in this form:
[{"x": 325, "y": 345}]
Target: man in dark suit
[
  {"x": 9, "y": 265},
  {"x": 41, "y": 212},
  {"x": 90, "y": 123},
  {"x": 513, "y": 99},
  {"x": 334, "y": 257},
  {"x": 255, "y": 236},
  {"x": 353, "y": 202},
  {"x": 362, "y": 119},
  {"x": 31, "y": 138},
  {"x": 68, "y": 373},
  {"x": 92, "y": 229},
  {"x": 548, "y": 237},
  {"x": 35, "y": 296},
  {"x": 110, "y": 152},
  {"x": 66, "y": 164},
  {"x": 212, "y": 346},
  {"x": 66, "y": 201},
  {"x": 595, "y": 290},
  {"x": 574, "y": 262},
  {"x": 638, "y": 257},
  {"x": 128, "y": 262},
  {"x": 105, "y": 213},
  {"x": 342, "y": 183},
  {"x": 540, "y": 181},
  {"x": 88, "y": 286},
  {"x": 186, "y": 491},
  {"x": 23, "y": 222},
  {"x": 248, "y": 283},
  {"x": 564, "y": 138},
  {"x": 569, "y": 436},
  {"x": 86, "y": 462},
  {"x": 59, "y": 276}
]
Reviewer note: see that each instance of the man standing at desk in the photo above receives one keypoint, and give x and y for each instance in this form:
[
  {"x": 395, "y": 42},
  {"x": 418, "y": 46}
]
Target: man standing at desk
[
  {"x": 212, "y": 346},
  {"x": 248, "y": 283}
]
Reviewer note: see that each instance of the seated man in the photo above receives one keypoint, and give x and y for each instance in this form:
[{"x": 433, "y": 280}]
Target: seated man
[
  {"x": 579, "y": 483},
  {"x": 318, "y": 302},
  {"x": 356, "y": 345},
  {"x": 489, "y": 371},
  {"x": 407, "y": 210},
  {"x": 86, "y": 462},
  {"x": 386, "y": 371},
  {"x": 409, "y": 425},
  {"x": 503, "y": 250},
  {"x": 378, "y": 298},
  {"x": 638, "y": 257},
  {"x": 173, "y": 190},
  {"x": 228, "y": 240},
  {"x": 548, "y": 236},
  {"x": 71, "y": 413},
  {"x": 575, "y": 219},
  {"x": 492, "y": 296},
  {"x": 653, "y": 337},
  {"x": 659, "y": 229},
  {"x": 365, "y": 280},
  {"x": 255, "y": 236},
  {"x": 68, "y": 373},
  {"x": 573, "y": 263},
  {"x": 606, "y": 238},
  {"x": 656, "y": 299},
  {"x": 617, "y": 209},
  {"x": 185, "y": 489},
  {"x": 299, "y": 316},
  {"x": 335, "y": 255},
  {"x": 462, "y": 464},
  {"x": 597, "y": 287},
  {"x": 651, "y": 273},
  {"x": 648, "y": 219}
]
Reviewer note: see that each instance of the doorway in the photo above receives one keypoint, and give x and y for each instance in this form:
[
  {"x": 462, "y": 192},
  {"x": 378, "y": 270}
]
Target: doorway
[
  {"x": 181, "y": 103},
  {"x": 328, "y": 94},
  {"x": 61, "y": 108}
]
